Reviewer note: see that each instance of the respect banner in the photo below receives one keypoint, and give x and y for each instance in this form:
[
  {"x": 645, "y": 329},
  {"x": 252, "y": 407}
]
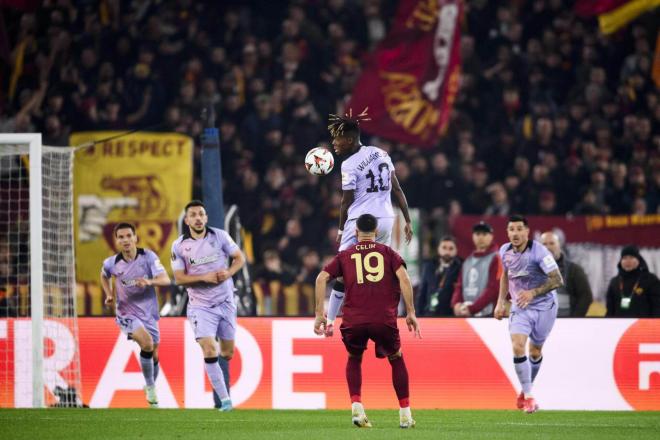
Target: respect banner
[
  {"x": 142, "y": 178},
  {"x": 411, "y": 80},
  {"x": 589, "y": 364}
]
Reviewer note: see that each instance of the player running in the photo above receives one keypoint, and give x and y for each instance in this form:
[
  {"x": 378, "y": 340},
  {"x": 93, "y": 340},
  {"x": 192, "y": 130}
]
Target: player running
[
  {"x": 199, "y": 262},
  {"x": 531, "y": 276},
  {"x": 367, "y": 181},
  {"x": 375, "y": 278},
  {"x": 136, "y": 271}
]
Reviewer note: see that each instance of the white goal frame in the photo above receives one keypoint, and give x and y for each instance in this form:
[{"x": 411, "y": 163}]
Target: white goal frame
[{"x": 36, "y": 258}]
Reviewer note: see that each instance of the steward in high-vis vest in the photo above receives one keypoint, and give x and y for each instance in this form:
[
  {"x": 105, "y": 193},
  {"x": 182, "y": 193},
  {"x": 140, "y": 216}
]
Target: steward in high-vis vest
[{"x": 476, "y": 290}]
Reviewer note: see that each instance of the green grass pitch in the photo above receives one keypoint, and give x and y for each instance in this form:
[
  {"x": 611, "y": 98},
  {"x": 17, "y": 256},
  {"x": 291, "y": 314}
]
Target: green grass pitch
[{"x": 97, "y": 424}]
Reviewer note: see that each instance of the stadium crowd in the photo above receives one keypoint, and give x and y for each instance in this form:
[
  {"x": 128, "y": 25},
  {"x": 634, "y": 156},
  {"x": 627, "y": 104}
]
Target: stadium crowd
[{"x": 551, "y": 117}]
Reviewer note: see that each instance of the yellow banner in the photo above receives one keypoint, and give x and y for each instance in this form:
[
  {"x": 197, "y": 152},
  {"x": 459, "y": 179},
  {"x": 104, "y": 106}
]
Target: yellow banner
[{"x": 142, "y": 178}]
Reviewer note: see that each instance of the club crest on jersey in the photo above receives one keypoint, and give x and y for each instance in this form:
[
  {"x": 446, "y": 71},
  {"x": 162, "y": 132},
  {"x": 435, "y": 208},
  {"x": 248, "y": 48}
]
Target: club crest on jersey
[{"x": 203, "y": 260}]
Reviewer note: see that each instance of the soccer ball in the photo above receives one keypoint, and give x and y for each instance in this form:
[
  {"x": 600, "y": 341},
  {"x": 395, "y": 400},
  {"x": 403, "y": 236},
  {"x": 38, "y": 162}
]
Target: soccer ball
[{"x": 319, "y": 161}]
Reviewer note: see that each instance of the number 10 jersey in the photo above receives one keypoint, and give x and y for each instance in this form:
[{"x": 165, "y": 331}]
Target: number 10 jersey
[{"x": 368, "y": 173}]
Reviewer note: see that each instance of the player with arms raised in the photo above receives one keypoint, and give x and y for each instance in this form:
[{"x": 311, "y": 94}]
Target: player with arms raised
[
  {"x": 136, "y": 271},
  {"x": 367, "y": 181},
  {"x": 199, "y": 262},
  {"x": 531, "y": 276},
  {"x": 375, "y": 278}
]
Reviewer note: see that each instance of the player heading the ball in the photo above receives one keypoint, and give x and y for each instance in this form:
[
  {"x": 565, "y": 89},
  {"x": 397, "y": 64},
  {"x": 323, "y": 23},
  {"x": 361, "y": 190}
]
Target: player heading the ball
[
  {"x": 368, "y": 179},
  {"x": 135, "y": 271},
  {"x": 375, "y": 277}
]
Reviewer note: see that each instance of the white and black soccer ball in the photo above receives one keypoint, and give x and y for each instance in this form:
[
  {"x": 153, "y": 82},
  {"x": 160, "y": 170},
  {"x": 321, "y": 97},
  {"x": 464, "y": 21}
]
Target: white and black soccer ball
[{"x": 319, "y": 161}]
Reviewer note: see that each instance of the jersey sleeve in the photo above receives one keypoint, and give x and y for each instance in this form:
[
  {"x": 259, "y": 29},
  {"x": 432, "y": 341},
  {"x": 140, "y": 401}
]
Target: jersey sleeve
[
  {"x": 501, "y": 254},
  {"x": 388, "y": 160},
  {"x": 155, "y": 266},
  {"x": 177, "y": 260},
  {"x": 545, "y": 259},
  {"x": 334, "y": 267},
  {"x": 348, "y": 177},
  {"x": 106, "y": 268},
  {"x": 395, "y": 260},
  {"x": 228, "y": 244}
]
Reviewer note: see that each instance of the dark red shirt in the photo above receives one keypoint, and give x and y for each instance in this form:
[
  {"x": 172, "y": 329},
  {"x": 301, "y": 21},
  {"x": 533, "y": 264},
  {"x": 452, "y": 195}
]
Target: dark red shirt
[{"x": 372, "y": 288}]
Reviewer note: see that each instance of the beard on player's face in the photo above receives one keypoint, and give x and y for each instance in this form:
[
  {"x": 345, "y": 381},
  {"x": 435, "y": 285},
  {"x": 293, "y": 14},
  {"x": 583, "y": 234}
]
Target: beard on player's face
[{"x": 198, "y": 228}]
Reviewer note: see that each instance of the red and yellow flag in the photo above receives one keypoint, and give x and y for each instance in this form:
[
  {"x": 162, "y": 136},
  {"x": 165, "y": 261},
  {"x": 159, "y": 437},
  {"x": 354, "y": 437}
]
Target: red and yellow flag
[
  {"x": 410, "y": 82},
  {"x": 614, "y": 14}
]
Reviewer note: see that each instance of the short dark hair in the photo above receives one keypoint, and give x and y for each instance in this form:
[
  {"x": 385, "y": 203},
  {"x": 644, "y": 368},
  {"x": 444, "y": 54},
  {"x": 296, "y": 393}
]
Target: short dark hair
[
  {"x": 447, "y": 238},
  {"x": 518, "y": 218},
  {"x": 367, "y": 223},
  {"x": 192, "y": 204},
  {"x": 123, "y": 225}
]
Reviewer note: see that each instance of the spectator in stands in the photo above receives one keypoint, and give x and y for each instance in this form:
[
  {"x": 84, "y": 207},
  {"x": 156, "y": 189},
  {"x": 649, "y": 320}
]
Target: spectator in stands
[
  {"x": 575, "y": 296},
  {"x": 478, "y": 284},
  {"x": 634, "y": 292},
  {"x": 438, "y": 279},
  {"x": 272, "y": 279},
  {"x": 541, "y": 89}
]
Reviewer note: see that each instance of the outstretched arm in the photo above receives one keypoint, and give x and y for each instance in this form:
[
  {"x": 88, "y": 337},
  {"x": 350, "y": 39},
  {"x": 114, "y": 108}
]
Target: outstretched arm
[
  {"x": 319, "y": 294},
  {"x": 407, "y": 294},
  {"x": 347, "y": 198},
  {"x": 403, "y": 205},
  {"x": 106, "y": 284},
  {"x": 500, "y": 308}
]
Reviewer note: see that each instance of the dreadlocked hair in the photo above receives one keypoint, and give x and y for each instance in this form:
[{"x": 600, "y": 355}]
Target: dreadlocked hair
[{"x": 347, "y": 124}]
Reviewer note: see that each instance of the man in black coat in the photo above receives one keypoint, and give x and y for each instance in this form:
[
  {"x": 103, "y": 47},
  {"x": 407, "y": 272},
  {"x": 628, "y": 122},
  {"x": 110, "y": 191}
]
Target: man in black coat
[
  {"x": 575, "y": 296},
  {"x": 634, "y": 292},
  {"x": 438, "y": 279}
]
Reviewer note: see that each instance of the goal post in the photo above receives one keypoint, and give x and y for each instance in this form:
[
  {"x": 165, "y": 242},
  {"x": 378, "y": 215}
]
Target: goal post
[{"x": 39, "y": 358}]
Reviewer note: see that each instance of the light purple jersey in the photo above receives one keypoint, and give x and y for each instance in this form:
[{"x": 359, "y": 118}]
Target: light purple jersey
[
  {"x": 367, "y": 172},
  {"x": 527, "y": 270},
  {"x": 132, "y": 300},
  {"x": 208, "y": 254}
]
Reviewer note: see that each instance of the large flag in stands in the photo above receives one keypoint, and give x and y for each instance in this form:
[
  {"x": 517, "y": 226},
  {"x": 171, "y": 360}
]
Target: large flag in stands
[
  {"x": 410, "y": 82},
  {"x": 614, "y": 14}
]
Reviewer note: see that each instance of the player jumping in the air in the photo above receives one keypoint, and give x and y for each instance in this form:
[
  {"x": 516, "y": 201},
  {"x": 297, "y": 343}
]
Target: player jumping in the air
[
  {"x": 531, "y": 276},
  {"x": 199, "y": 262},
  {"x": 367, "y": 181},
  {"x": 136, "y": 271},
  {"x": 375, "y": 277}
]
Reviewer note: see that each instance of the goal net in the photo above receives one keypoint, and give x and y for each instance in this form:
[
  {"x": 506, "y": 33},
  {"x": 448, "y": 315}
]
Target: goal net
[{"x": 39, "y": 353}]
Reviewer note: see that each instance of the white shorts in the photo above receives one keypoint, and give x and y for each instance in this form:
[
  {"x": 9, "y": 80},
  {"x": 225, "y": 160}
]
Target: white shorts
[{"x": 383, "y": 232}]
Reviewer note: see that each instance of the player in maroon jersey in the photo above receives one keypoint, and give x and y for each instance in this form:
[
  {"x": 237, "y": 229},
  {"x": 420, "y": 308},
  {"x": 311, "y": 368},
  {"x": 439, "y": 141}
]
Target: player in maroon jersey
[{"x": 375, "y": 277}]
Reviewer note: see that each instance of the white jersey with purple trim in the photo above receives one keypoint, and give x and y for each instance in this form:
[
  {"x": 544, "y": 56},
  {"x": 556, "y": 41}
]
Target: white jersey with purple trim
[{"x": 368, "y": 172}]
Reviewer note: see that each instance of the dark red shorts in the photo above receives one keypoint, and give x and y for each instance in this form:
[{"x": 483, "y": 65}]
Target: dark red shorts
[{"x": 385, "y": 337}]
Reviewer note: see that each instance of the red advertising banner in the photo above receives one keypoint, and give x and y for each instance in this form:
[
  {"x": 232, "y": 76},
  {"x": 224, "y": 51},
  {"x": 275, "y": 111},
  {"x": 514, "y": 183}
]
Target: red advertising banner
[
  {"x": 616, "y": 230},
  {"x": 411, "y": 80},
  {"x": 281, "y": 364}
]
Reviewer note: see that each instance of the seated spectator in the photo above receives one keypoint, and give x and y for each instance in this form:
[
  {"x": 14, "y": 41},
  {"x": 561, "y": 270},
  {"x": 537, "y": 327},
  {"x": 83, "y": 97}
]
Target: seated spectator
[
  {"x": 634, "y": 292},
  {"x": 272, "y": 286},
  {"x": 438, "y": 278},
  {"x": 575, "y": 296},
  {"x": 478, "y": 285}
]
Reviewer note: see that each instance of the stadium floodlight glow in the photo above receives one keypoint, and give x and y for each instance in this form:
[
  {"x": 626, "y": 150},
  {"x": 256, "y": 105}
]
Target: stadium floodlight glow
[{"x": 44, "y": 176}]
